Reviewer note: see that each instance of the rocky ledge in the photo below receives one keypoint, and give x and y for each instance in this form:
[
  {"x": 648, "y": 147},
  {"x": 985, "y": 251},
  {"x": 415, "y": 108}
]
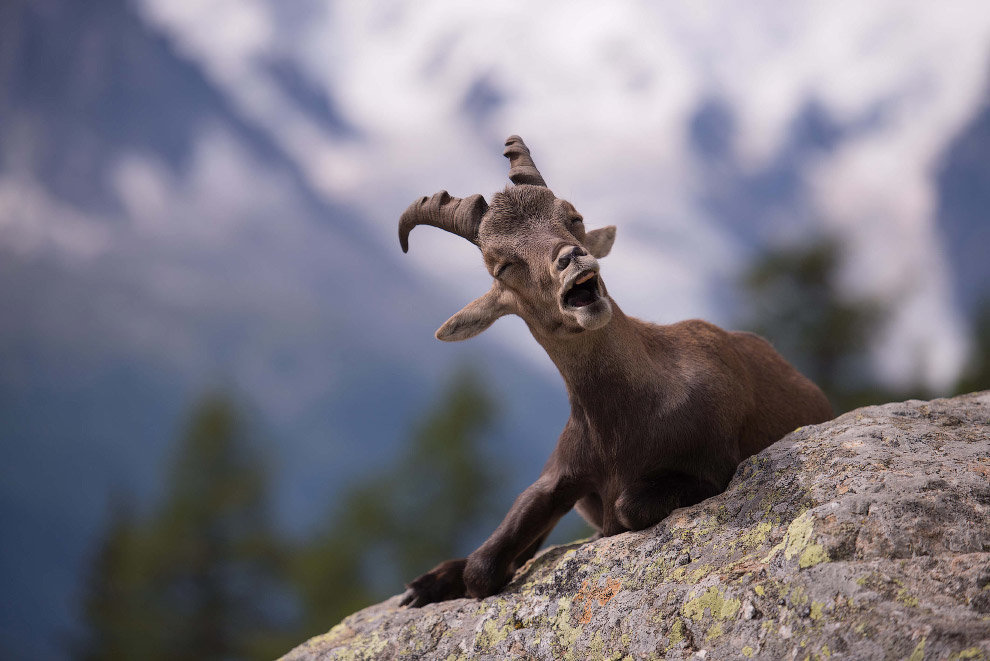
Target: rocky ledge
[{"x": 866, "y": 537}]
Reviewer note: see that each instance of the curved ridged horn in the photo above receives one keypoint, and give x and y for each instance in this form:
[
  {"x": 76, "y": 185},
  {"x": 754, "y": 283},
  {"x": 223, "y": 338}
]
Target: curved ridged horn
[
  {"x": 453, "y": 214},
  {"x": 522, "y": 170}
]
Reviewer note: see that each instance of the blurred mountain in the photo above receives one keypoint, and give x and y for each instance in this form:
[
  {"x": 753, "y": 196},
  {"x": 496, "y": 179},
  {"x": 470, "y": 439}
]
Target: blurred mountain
[
  {"x": 155, "y": 242},
  {"x": 964, "y": 209}
]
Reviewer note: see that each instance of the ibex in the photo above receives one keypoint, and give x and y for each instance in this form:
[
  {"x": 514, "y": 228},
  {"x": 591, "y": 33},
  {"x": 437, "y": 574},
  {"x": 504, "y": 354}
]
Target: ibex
[{"x": 660, "y": 417}]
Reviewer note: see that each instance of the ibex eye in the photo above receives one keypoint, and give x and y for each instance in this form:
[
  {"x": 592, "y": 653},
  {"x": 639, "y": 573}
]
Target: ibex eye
[
  {"x": 577, "y": 220},
  {"x": 500, "y": 269}
]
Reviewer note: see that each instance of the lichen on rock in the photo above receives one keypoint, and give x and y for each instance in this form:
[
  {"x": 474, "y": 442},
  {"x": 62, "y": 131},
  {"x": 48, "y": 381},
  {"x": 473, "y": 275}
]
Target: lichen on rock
[{"x": 864, "y": 537}]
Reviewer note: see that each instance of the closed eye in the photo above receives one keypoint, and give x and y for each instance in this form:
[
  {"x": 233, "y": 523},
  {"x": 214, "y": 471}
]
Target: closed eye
[{"x": 500, "y": 269}]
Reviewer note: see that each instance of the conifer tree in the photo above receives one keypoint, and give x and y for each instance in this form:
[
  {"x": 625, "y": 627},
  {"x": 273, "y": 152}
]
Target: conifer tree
[
  {"x": 198, "y": 578},
  {"x": 391, "y": 526},
  {"x": 794, "y": 300}
]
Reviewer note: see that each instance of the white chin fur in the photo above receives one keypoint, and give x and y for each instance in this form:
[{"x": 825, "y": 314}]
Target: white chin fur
[{"x": 594, "y": 316}]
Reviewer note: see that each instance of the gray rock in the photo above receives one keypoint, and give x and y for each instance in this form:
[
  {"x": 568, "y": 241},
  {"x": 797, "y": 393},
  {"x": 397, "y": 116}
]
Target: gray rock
[{"x": 867, "y": 537}]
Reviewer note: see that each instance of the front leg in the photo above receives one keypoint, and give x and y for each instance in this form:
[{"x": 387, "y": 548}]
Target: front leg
[{"x": 534, "y": 512}]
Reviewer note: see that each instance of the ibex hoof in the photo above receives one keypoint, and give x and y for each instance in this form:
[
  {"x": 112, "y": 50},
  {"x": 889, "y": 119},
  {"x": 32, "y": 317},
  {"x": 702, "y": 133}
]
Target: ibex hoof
[{"x": 443, "y": 582}]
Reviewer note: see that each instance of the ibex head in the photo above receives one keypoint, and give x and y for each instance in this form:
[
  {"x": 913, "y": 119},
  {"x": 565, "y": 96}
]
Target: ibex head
[{"x": 544, "y": 263}]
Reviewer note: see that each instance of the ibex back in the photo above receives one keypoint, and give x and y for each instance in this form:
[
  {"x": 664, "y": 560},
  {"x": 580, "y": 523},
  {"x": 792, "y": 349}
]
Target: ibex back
[{"x": 660, "y": 417}]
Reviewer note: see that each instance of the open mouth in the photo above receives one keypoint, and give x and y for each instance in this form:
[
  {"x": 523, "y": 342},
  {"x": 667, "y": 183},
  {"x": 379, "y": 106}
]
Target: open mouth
[{"x": 583, "y": 291}]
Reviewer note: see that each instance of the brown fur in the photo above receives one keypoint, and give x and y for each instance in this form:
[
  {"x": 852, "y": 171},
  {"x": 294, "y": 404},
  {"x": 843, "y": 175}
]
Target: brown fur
[{"x": 660, "y": 415}]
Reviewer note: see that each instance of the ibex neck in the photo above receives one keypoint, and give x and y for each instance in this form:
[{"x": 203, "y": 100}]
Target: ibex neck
[{"x": 593, "y": 362}]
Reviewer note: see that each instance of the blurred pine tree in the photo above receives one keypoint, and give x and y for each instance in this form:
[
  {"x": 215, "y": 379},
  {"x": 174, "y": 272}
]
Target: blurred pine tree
[
  {"x": 118, "y": 603},
  {"x": 794, "y": 301},
  {"x": 976, "y": 375},
  {"x": 392, "y": 526},
  {"x": 200, "y": 578}
]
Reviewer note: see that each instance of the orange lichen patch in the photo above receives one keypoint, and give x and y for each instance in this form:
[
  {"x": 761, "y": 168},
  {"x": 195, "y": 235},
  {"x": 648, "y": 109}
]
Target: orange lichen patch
[
  {"x": 590, "y": 595},
  {"x": 745, "y": 566},
  {"x": 883, "y": 468},
  {"x": 981, "y": 467}
]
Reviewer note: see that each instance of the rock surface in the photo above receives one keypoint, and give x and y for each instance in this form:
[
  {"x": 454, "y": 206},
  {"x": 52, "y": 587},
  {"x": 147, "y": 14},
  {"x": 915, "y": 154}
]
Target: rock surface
[{"x": 867, "y": 537}]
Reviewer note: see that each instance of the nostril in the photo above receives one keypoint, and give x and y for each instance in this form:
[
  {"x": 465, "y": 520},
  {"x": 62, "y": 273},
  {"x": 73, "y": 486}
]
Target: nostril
[{"x": 565, "y": 260}]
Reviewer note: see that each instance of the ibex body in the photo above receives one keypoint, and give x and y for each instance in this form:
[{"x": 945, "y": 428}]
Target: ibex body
[{"x": 660, "y": 415}]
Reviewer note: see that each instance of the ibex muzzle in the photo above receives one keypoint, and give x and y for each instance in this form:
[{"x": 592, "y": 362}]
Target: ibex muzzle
[
  {"x": 582, "y": 292},
  {"x": 660, "y": 415}
]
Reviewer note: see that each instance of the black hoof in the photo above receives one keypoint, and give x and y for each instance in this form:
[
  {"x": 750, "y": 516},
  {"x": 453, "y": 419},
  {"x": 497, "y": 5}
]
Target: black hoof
[{"x": 443, "y": 582}]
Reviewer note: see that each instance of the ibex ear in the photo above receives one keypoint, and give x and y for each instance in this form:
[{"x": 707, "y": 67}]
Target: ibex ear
[
  {"x": 599, "y": 242},
  {"x": 476, "y": 316}
]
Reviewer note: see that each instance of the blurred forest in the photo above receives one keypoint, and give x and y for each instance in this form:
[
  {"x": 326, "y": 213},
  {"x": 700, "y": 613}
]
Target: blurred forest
[
  {"x": 206, "y": 575},
  {"x": 793, "y": 299}
]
